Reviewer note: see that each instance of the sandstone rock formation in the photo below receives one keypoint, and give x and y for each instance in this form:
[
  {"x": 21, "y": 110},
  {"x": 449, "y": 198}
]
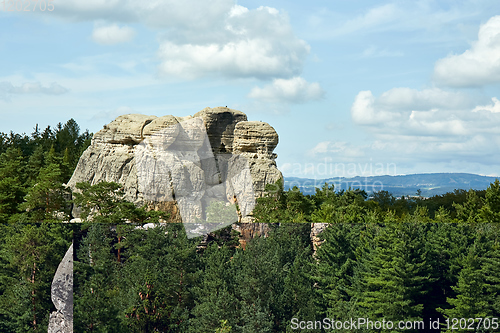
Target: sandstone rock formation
[
  {"x": 61, "y": 320},
  {"x": 112, "y": 153},
  {"x": 316, "y": 229}
]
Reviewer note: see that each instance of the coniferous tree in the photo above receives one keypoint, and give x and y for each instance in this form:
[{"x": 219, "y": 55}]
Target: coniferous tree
[
  {"x": 336, "y": 261},
  {"x": 12, "y": 189},
  {"x": 490, "y": 212},
  {"x": 33, "y": 253},
  {"x": 478, "y": 286},
  {"x": 395, "y": 274},
  {"x": 96, "y": 283},
  {"x": 47, "y": 199},
  {"x": 469, "y": 211},
  {"x": 215, "y": 297},
  {"x": 161, "y": 268}
]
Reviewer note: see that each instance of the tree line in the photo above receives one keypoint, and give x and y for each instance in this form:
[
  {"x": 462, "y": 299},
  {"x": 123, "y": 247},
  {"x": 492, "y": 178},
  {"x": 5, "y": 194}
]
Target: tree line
[{"x": 380, "y": 257}]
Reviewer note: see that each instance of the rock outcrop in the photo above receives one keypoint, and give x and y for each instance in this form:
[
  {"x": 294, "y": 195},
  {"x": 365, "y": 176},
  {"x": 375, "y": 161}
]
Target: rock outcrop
[
  {"x": 112, "y": 153},
  {"x": 61, "y": 320},
  {"x": 316, "y": 229}
]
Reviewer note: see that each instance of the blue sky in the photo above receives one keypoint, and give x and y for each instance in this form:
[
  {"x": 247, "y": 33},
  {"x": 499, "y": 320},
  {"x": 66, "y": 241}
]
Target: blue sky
[{"x": 352, "y": 87}]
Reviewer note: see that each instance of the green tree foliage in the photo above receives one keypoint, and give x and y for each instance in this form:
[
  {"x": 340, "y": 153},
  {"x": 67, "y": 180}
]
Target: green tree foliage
[
  {"x": 283, "y": 206},
  {"x": 490, "y": 212},
  {"x": 104, "y": 202},
  {"x": 12, "y": 188},
  {"x": 95, "y": 282},
  {"x": 47, "y": 199},
  {"x": 334, "y": 271},
  {"x": 29, "y": 255},
  {"x": 478, "y": 287},
  {"x": 395, "y": 273}
]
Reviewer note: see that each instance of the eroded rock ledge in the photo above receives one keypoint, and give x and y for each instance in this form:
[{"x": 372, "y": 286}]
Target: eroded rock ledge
[{"x": 111, "y": 155}]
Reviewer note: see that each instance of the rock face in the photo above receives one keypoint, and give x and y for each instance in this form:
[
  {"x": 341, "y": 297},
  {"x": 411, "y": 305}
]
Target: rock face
[
  {"x": 61, "y": 320},
  {"x": 112, "y": 153},
  {"x": 316, "y": 229},
  {"x": 256, "y": 141}
]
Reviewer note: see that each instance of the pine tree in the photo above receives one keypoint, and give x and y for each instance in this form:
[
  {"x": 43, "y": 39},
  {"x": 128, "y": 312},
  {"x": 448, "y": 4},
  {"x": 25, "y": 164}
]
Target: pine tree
[
  {"x": 490, "y": 212},
  {"x": 12, "y": 190},
  {"x": 395, "y": 274},
  {"x": 160, "y": 268},
  {"x": 336, "y": 260},
  {"x": 47, "y": 199},
  {"x": 478, "y": 287},
  {"x": 35, "y": 164},
  {"x": 105, "y": 202},
  {"x": 33, "y": 253},
  {"x": 96, "y": 283},
  {"x": 215, "y": 297},
  {"x": 469, "y": 211},
  {"x": 446, "y": 243}
]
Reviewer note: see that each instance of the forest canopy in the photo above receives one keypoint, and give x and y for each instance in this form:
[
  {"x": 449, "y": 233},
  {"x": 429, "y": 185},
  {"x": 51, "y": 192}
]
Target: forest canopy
[{"x": 379, "y": 257}]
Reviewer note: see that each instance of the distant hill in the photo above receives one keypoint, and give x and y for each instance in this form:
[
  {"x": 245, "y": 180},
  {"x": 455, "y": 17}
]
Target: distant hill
[{"x": 428, "y": 183}]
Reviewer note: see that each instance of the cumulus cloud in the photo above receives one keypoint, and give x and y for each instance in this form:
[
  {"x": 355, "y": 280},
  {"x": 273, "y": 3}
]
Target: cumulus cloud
[
  {"x": 294, "y": 90},
  {"x": 428, "y": 125},
  {"x": 477, "y": 66},
  {"x": 7, "y": 88},
  {"x": 431, "y": 109},
  {"x": 494, "y": 108},
  {"x": 256, "y": 43},
  {"x": 112, "y": 34},
  {"x": 200, "y": 38}
]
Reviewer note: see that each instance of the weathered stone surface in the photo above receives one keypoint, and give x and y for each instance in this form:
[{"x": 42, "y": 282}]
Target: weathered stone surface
[
  {"x": 256, "y": 140},
  {"x": 126, "y": 129},
  {"x": 255, "y": 137},
  {"x": 316, "y": 229},
  {"x": 61, "y": 320},
  {"x": 112, "y": 154},
  {"x": 249, "y": 231},
  {"x": 220, "y": 123}
]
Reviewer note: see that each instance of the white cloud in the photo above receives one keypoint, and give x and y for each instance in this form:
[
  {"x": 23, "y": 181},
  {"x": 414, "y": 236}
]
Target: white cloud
[
  {"x": 112, "y": 34},
  {"x": 494, "y": 108},
  {"x": 431, "y": 125},
  {"x": 255, "y": 43},
  {"x": 7, "y": 88},
  {"x": 202, "y": 38},
  {"x": 294, "y": 90},
  {"x": 477, "y": 66}
]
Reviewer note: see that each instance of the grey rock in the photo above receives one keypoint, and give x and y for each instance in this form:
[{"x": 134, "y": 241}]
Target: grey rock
[
  {"x": 113, "y": 152},
  {"x": 61, "y": 320},
  {"x": 316, "y": 229},
  {"x": 256, "y": 140}
]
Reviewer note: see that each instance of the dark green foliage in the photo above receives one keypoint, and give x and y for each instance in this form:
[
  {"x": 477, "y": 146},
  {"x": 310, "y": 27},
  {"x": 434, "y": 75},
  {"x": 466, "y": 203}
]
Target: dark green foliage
[
  {"x": 283, "y": 206},
  {"x": 408, "y": 258},
  {"x": 47, "y": 198},
  {"x": 12, "y": 188},
  {"x": 104, "y": 203}
]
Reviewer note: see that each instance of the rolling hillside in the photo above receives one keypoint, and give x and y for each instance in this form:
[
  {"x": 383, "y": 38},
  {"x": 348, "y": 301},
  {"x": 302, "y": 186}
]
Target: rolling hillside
[{"x": 429, "y": 183}]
